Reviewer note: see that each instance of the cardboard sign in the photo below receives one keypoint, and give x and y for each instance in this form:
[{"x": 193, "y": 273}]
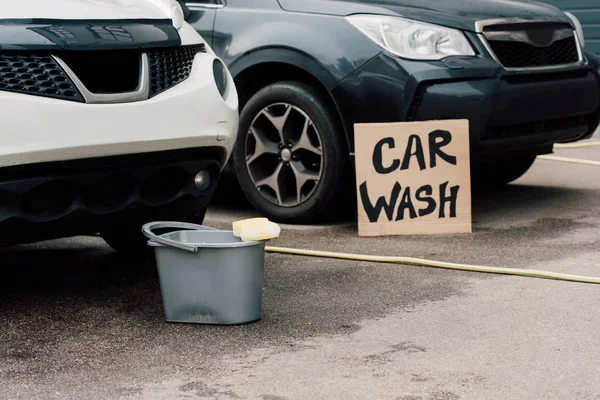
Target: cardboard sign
[{"x": 413, "y": 178}]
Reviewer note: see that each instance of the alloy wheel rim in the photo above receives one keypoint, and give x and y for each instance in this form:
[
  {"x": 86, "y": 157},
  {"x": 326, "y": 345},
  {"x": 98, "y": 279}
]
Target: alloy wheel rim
[{"x": 284, "y": 155}]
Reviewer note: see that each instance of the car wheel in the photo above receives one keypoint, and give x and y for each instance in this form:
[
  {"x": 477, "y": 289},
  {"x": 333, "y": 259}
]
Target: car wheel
[
  {"x": 502, "y": 172},
  {"x": 127, "y": 237},
  {"x": 291, "y": 157}
]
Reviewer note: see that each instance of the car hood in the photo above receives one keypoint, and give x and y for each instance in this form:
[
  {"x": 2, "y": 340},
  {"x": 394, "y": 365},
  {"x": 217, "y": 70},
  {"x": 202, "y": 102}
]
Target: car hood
[
  {"x": 81, "y": 25},
  {"x": 461, "y": 14},
  {"x": 80, "y": 9}
]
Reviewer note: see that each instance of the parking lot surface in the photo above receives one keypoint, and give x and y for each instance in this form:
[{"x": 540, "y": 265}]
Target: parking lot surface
[{"x": 78, "y": 320}]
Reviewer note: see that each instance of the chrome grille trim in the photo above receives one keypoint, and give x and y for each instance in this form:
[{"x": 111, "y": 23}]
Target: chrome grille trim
[
  {"x": 140, "y": 94},
  {"x": 481, "y": 25},
  {"x": 520, "y": 37}
]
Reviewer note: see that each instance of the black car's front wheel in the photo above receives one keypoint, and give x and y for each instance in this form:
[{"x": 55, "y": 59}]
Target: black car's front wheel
[{"x": 291, "y": 158}]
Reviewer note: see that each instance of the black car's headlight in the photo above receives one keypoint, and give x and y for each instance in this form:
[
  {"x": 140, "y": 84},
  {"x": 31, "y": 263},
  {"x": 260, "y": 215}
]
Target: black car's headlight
[
  {"x": 411, "y": 39},
  {"x": 220, "y": 74}
]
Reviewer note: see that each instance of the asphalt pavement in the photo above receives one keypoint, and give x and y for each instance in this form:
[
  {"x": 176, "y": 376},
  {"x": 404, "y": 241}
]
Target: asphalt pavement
[{"x": 79, "y": 321}]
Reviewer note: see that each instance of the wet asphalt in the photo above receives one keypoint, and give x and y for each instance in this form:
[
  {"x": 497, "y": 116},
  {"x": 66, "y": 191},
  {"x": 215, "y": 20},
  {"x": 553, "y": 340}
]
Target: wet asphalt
[{"x": 78, "y": 320}]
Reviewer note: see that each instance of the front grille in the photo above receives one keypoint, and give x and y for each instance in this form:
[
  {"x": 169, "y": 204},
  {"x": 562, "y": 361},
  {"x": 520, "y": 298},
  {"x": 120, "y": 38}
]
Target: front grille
[
  {"x": 105, "y": 71},
  {"x": 37, "y": 74},
  {"x": 525, "y": 55},
  {"x": 170, "y": 66},
  {"x": 532, "y": 44}
]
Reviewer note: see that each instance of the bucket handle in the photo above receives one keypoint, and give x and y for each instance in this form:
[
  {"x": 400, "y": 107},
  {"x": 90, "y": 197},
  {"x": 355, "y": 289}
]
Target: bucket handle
[{"x": 149, "y": 227}]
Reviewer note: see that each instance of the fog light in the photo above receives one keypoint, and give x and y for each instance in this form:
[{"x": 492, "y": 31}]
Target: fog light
[{"x": 202, "y": 180}]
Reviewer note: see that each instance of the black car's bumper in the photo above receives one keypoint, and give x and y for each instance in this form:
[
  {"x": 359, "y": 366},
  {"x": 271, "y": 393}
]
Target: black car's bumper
[
  {"x": 510, "y": 113},
  {"x": 53, "y": 200}
]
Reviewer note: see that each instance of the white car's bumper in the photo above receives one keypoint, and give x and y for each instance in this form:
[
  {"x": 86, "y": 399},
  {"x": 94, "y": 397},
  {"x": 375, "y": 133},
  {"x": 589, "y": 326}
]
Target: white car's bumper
[
  {"x": 71, "y": 167},
  {"x": 192, "y": 114}
]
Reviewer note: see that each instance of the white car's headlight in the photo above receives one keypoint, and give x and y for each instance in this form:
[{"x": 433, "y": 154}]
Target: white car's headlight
[
  {"x": 172, "y": 9},
  {"x": 412, "y": 39},
  {"x": 578, "y": 28}
]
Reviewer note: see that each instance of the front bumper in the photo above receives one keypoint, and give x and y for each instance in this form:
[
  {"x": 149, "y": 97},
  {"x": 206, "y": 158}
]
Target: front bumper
[
  {"x": 192, "y": 114},
  {"x": 69, "y": 168},
  {"x": 61, "y": 199},
  {"x": 510, "y": 113}
]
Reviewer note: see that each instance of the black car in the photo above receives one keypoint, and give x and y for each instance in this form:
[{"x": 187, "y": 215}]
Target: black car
[{"x": 307, "y": 70}]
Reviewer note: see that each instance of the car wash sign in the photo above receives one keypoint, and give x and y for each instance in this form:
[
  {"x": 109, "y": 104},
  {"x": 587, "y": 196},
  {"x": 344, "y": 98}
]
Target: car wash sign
[{"x": 413, "y": 178}]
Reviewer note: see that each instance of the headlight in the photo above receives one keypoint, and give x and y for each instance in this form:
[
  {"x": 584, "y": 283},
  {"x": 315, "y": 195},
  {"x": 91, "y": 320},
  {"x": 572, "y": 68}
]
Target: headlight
[
  {"x": 412, "y": 39},
  {"x": 172, "y": 9},
  {"x": 578, "y": 28}
]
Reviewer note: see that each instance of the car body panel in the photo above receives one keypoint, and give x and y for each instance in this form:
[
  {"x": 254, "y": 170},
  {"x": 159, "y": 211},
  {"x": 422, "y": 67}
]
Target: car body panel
[
  {"x": 389, "y": 90},
  {"x": 456, "y": 14},
  {"x": 165, "y": 122},
  {"x": 202, "y": 19},
  {"x": 299, "y": 42}
]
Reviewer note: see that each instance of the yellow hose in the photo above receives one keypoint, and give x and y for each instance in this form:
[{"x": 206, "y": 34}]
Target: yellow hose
[
  {"x": 577, "y": 145},
  {"x": 570, "y": 160},
  {"x": 530, "y": 273},
  {"x": 436, "y": 264},
  {"x": 453, "y": 266}
]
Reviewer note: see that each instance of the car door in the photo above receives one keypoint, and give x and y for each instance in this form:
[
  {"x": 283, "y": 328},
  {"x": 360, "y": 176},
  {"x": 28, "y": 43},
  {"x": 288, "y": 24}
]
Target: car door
[{"x": 202, "y": 16}]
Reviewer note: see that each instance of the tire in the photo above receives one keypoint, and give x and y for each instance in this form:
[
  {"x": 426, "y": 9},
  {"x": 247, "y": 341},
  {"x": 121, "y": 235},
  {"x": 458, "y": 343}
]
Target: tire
[
  {"x": 308, "y": 125},
  {"x": 127, "y": 237},
  {"x": 502, "y": 172}
]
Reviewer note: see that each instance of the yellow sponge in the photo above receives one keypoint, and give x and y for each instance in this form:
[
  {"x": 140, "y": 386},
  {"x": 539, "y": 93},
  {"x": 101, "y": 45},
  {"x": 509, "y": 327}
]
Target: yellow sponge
[{"x": 256, "y": 229}]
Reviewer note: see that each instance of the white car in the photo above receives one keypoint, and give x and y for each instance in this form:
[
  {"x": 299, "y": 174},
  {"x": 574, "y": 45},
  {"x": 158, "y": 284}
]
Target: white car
[{"x": 113, "y": 113}]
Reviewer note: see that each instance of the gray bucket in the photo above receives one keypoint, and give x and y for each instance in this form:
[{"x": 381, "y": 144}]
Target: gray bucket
[{"x": 207, "y": 276}]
